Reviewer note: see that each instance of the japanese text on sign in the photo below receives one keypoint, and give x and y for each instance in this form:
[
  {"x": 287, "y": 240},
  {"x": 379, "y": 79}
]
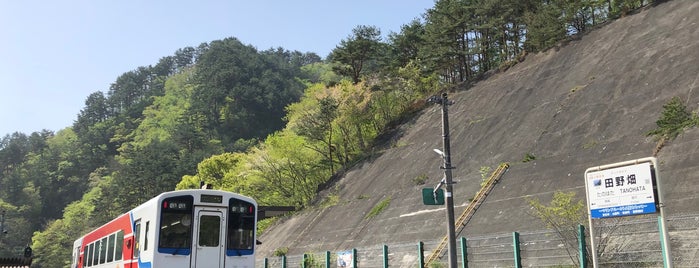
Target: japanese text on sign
[{"x": 621, "y": 191}]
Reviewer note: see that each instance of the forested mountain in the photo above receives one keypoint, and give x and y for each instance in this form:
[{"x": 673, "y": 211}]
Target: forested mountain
[{"x": 273, "y": 124}]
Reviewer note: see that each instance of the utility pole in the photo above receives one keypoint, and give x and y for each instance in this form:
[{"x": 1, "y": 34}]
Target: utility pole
[
  {"x": 2, "y": 225},
  {"x": 449, "y": 198}
]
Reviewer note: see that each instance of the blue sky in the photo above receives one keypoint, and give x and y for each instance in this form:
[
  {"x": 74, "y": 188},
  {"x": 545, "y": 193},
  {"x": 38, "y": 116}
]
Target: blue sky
[{"x": 53, "y": 54}]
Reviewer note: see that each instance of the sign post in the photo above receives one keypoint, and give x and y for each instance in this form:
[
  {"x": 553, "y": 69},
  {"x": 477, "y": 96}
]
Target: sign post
[{"x": 625, "y": 189}]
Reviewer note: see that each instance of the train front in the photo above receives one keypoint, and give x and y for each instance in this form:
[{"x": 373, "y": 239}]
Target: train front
[{"x": 206, "y": 229}]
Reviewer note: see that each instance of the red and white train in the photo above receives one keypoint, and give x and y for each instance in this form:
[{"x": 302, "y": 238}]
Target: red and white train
[{"x": 188, "y": 228}]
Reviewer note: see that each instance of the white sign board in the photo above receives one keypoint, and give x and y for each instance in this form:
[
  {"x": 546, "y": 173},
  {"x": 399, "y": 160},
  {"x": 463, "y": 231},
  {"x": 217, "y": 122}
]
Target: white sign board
[{"x": 621, "y": 191}]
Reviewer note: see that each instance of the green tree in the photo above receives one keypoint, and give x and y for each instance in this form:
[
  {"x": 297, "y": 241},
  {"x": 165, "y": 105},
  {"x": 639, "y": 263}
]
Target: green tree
[
  {"x": 563, "y": 215},
  {"x": 544, "y": 27},
  {"x": 450, "y": 31},
  {"x": 144, "y": 172},
  {"x": 353, "y": 123},
  {"x": 161, "y": 118},
  {"x": 58, "y": 173},
  {"x": 675, "y": 118},
  {"x": 313, "y": 118},
  {"x": 240, "y": 93},
  {"x": 320, "y": 72},
  {"x": 283, "y": 171},
  {"x": 213, "y": 171},
  {"x": 405, "y": 46},
  {"x": 621, "y": 8},
  {"x": 356, "y": 53},
  {"x": 18, "y": 231},
  {"x": 53, "y": 245},
  {"x": 13, "y": 151}
]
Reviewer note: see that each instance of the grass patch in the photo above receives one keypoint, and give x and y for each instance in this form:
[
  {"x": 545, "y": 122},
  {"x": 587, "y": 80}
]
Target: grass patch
[
  {"x": 383, "y": 204},
  {"x": 330, "y": 200},
  {"x": 528, "y": 157},
  {"x": 420, "y": 179},
  {"x": 398, "y": 144},
  {"x": 576, "y": 88},
  {"x": 438, "y": 265},
  {"x": 280, "y": 252},
  {"x": 262, "y": 225},
  {"x": 589, "y": 144},
  {"x": 484, "y": 171},
  {"x": 476, "y": 119}
]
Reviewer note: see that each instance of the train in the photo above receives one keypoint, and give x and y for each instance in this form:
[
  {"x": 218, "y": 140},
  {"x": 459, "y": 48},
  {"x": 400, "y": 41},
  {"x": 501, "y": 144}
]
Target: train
[{"x": 200, "y": 228}]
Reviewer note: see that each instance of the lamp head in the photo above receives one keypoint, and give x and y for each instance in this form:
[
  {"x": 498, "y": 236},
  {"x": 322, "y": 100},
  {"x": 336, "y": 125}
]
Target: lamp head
[{"x": 439, "y": 152}]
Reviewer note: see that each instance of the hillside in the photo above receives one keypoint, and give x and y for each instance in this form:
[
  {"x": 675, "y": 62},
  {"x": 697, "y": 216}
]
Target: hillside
[{"x": 585, "y": 103}]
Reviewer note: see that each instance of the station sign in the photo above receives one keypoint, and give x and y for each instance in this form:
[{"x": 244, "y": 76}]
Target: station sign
[{"x": 621, "y": 191}]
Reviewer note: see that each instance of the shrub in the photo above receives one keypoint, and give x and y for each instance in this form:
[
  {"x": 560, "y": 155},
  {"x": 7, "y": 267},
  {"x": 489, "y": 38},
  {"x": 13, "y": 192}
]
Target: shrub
[
  {"x": 674, "y": 119},
  {"x": 311, "y": 260}
]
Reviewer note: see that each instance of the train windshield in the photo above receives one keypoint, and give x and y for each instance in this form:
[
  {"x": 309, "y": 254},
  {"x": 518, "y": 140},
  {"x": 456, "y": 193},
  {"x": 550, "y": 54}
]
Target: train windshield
[
  {"x": 241, "y": 227},
  {"x": 176, "y": 225}
]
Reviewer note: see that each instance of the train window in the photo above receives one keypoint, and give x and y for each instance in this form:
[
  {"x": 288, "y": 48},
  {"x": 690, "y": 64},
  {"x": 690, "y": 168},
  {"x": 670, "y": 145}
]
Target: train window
[
  {"x": 145, "y": 244},
  {"x": 110, "y": 248},
  {"x": 94, "y": 251},
  {"x": 103, "y": 250},
  {"x": 95, "y": 258},
  {"x": 241, "y": 225},
  {"x": 209, "y": 231},
  {"x": 175, "y": 230},
  {"x": 137, "y": 233},
  {"x": 119, "y": 245},
  {"x": 75, "y": 261},
  {"x": 90, "y": 251}
]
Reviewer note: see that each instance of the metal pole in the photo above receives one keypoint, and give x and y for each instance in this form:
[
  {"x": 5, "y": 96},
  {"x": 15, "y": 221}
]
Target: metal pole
[
  {"x": 593, "y": 243},
  {"x": 582, "y": 253},
  {"x": 516, "y": 250},
  {"x": 420, "y": 254},
  {"x": 2, "y": 225},
  {"x": 662, "y": 222},
  {"x": 449, "y": 183},
  {"x": 327, "y": 259},
  {"x": 464, "y": 253},
  {"x": 385, "y": 256}
]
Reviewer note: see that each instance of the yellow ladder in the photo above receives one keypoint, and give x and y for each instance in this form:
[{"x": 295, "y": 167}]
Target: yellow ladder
[{"x": 463, "y": 219}]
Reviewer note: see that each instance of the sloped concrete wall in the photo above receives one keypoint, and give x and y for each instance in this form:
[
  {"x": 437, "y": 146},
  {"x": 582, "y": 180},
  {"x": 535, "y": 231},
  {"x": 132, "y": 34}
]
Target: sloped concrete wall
[{"x": 586, "y": 103}]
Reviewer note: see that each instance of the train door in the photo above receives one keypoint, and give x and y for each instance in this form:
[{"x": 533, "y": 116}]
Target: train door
[
  {"x": 76, "y": 257},
  {"x": 209, "y": 236},
  {"x": 133, "y": 249}
]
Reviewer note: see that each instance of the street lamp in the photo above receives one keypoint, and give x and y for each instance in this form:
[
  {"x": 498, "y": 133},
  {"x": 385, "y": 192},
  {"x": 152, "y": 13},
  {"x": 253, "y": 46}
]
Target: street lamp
[{"x": 449, "y": 198}]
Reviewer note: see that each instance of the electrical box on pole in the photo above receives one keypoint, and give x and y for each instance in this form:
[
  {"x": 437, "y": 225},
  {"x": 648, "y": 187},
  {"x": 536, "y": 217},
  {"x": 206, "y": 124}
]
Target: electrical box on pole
[{"x": 431, "y": 196}]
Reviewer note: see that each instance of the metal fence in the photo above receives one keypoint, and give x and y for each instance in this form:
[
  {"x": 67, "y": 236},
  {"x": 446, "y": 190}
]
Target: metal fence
[{"x": 629, "y": 243}]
